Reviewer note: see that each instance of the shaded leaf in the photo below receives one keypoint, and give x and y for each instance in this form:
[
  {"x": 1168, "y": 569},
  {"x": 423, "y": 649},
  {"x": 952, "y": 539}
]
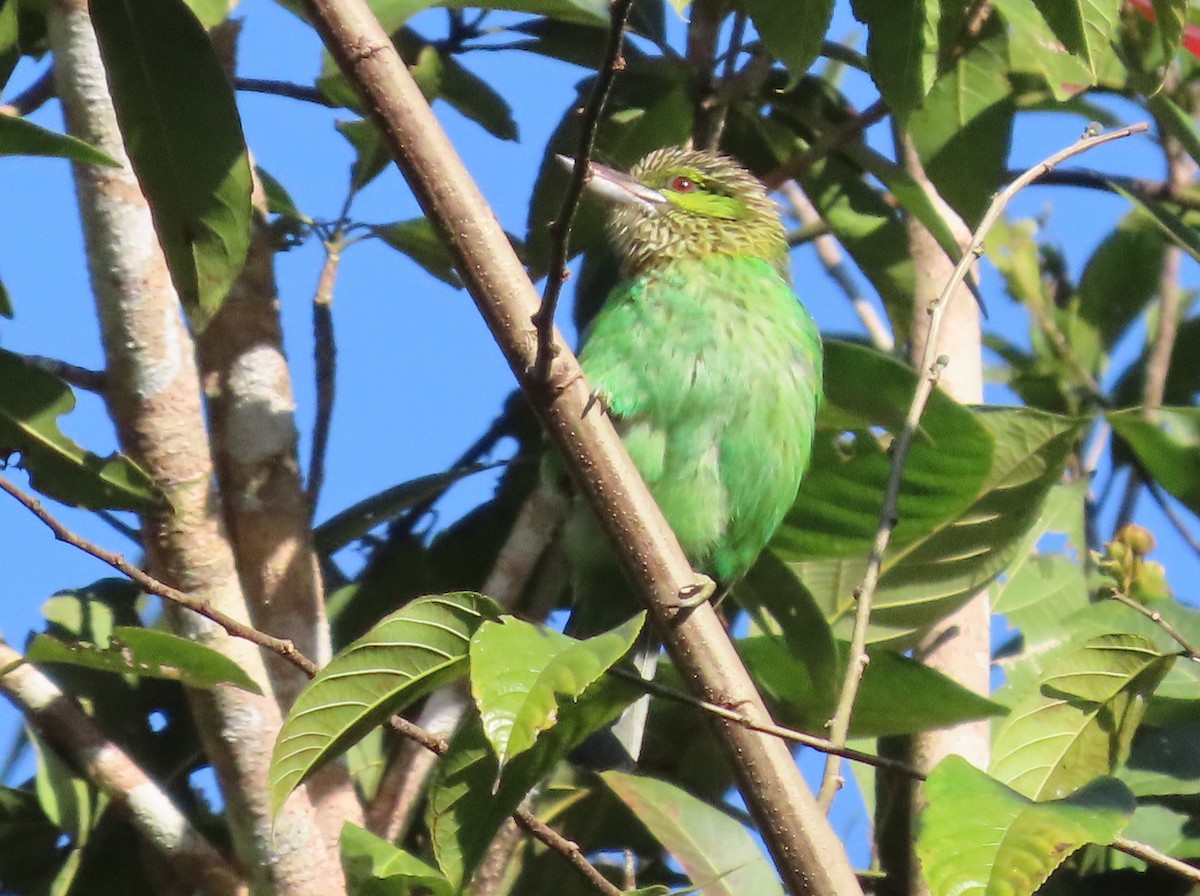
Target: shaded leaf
[
  {"x": 146, "y": 652},
  {"x": 417, "y": 239},
  {"x": 1164, "y": 761},
  {"x": 31, "y": 401},
  {"x": 1078, "y": 720},
  {"x": 420, "y": 647},
  {"x": 19, "y": 137},
  {"x": 902, "y": 49},
  {"x": 792, "y": 33},
  {"x": 716, "y": 852},
  {"x": 520, "y": 673},
  {"x": 1085, "y": 27},
  {"x": 1179, "y": 227},
  {"x": 181, "y": 128},
  {"x": 1120, "y": 279},
  {"x": 1168, "y": 448},
  {"x": 469, "y": 798},
  {"x": 1033, "y": 48},
  {"x": 978, "y": 836},
  {"x": 369, "y": 860}
]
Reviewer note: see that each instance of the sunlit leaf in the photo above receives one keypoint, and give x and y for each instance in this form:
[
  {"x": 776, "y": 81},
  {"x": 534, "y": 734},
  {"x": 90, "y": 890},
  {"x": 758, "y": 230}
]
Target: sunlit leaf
[
  {"x": 1168, "y": 447},
  {"x": 369, "y": 860},
  {"x": 19, "y": 137}
]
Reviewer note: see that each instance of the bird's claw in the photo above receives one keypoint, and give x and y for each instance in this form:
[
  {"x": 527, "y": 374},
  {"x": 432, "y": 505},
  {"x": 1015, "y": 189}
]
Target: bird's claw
[
  {"x": 692, "y": 596},
  {"x": 598, "y": 397}
]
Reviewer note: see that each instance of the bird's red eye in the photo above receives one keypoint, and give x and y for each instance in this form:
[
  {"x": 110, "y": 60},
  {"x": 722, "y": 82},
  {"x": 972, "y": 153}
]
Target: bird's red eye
[{"x": 682, "y": 184}]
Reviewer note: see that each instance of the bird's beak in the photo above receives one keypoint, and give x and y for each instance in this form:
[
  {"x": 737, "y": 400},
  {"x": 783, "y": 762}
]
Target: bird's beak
[{"x": 616, "y": 186}]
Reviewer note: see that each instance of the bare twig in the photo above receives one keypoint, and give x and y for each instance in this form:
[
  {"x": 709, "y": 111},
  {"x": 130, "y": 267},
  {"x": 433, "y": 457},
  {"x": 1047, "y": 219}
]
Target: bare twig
[
  {"x": 284, "y": 89},
  {"x": 1185, "y": 196},
  {"x": 820, "y": 744},
  {"x": 151, "y": 585},
  {"x": 930, "y": 366},
  {"x": 194, "y": 861},
  {"x": 568, "y": 849},
  {"x": 72, "y": 374},
  {"x": 560, "y": 227},
  {"x": 830, "y": 256},
  {"x": 32, "y": 97},
  {"x": 325, "y": 356},
  {"x": 1153, "y": 856},
  {"x": 1192, "y": 652},
  {"x": 704, "y": 29}
]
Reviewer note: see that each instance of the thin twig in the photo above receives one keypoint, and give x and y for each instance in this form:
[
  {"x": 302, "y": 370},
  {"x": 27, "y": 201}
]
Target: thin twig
[
  {"x": 325, "y": 358},
  {"x": 830, "y": 256},
  {"x": 568, "y": 849},
  {"x": 80, "y": 377},
  {"x": 931, "y": 366},
  {"x": 1160, "y": 498},
  {"x": 1192, "y": 652},
  {"x": 32, "y": 97},
  {"x": 1186, "y": 197},
  {"x": 821, "y": 744},
  {"x": 560, "y": 227},
  {"x": 285, "y": 89},
  {"x": 796, "y": 167},
  {"x": 704, "y": 28},
  {"x": 1153, "y": 856},
  {"x": 151, "y": 585}
]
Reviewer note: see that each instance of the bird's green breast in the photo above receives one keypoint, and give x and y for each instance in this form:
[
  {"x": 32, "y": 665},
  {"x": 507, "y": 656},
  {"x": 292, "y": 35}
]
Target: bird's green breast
[{"x": 712, "y": 371}]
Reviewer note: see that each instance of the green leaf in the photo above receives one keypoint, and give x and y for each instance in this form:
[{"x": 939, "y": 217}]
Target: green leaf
[
  {"x": 418, "y": 648},
  {"x": 1078, "y": 720},
  {"x": 469, "y": 798},
  {"x": 1171, "y": 831},
  {"x": 1034, "y": 49},
  {"x": 6, "y": 308},
  {"x": 1120, "y": 279},
  {"x": 978, "y": 836},
  {"x": 520, "y": 672},
  {"x": 31, "y": 401},
  {"x": 1164, "y": 761},
  {"x": 1169, "y": 448},
  {"x": 181, "y": 129},
  {"x": 1179, "y": 227},
  {"x": 148, "y": 653},
  {"x": 792, "y": 33},
  {"x": 837, "y": 510},
  {"x": 930, "y": 576},
  {"x": 1177, "y": 123},
  {"x": 372, "y": 156},
  {"x": 897, "y": 695},
  {"x": 716, "y": 852},
  {"x": 393, "y": 13},
  {"x": 19, "y": 137},
  {"x": 476, "y": 99},
  {"x": 65, "y": 797},
  {"x": 772, "y": 588},
  {"x": 1039, "y": 589},
  {"x": 369, "y": 860},
  {"x": 963, "y": 128},
  {"x": 1085, "y": 27},
  {"x": 902, "y": 49},
  {"x": 417, "y": 239},
  {"x": 28, "y": 841}
]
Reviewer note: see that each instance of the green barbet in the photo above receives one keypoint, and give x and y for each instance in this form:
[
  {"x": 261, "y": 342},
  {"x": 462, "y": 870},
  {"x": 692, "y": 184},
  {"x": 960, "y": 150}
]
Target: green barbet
[{"x": 707, "y": 362}]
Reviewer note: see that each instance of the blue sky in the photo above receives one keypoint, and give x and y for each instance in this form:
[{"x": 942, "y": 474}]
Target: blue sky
[{"x": 395, "y": 326}]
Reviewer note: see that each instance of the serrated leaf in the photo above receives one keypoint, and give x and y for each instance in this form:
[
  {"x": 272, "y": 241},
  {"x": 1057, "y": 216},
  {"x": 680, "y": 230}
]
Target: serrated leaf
[
  {"x": 417, "y": 239},
  {"x": 181, "y": 128},
  {"x": 520, "y": 673},
  {"x": 467, "y": 804},
  {"x": 420, "y": 647},
  {"x": 1078, "y": 721},
  {"x": 926, "y": 579},
  {"x": 368, "y": 860},
  {"x": 792, "y": 33},
  {"x": 147, "y": 653},
  {"x": 716, "y": 852},
  {"x": 31, "y": 401},
  {"x": 1033, "y": 48},
  {"x": 1085, "y": 27},
  {"x": 979, "y": 836},
  {"x": 897, "y": 695},
  {"x": 1168, "y": 447},
  {"x": 837, "y": 510},
  {"x": 902, "y": 49},
  {"x": 19, "y": 137}
]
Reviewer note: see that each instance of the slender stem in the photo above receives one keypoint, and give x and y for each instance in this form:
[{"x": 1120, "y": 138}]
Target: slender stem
[
  {"x": 284, "y": 89},
  {"x": 1193, "y": 653},
  {"x": 560, "y": 227},
  {"x": 1149, "y": 854},
  {"x": 798, "y": 166},
  {"x": 32, "y": 97},
  {"x": 280, "y": 646},
  {"x": 931, "y": 365},
  {"x": 1185, "y": 196},
  {"x": 325, "y": 367},
  {"x": 80, "y": 377}
]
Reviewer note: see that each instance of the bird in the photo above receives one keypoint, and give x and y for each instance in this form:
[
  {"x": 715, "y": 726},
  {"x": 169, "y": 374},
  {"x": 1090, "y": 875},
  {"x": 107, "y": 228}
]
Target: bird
[{"x": 709, "y": 366}]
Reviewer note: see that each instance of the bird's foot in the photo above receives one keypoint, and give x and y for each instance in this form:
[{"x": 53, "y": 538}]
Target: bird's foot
[
  {"x": 598, "y": 398},
  {"x": 692, "y": 596}
]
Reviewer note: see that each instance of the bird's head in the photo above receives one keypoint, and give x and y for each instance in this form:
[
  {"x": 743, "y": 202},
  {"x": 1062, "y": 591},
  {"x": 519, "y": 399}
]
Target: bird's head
[{"x": 684, "y": 204}]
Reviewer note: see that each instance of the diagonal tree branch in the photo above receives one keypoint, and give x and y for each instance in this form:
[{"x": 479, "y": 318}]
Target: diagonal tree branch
[{"x": 805, "y": 848}]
